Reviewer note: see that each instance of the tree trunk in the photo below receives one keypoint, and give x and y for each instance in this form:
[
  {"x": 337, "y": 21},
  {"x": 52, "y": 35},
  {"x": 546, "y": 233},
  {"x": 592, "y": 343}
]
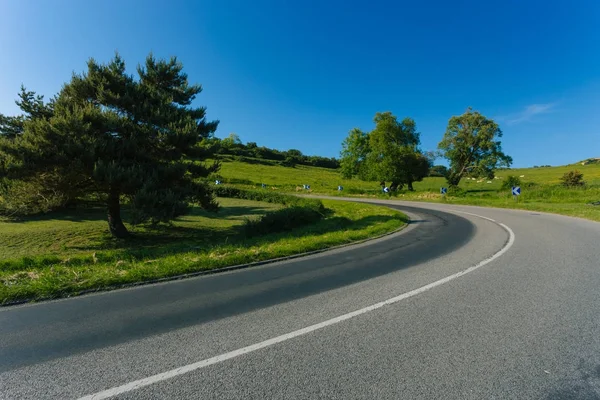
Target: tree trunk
[
  {"x": 410, "y": 186},
  {"x": 453, "y": 179},
  {"x": 115, "y": 223}
]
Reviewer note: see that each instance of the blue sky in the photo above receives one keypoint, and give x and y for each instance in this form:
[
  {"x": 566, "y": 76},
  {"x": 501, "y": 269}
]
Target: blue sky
[{"x": 301, "y": 74}]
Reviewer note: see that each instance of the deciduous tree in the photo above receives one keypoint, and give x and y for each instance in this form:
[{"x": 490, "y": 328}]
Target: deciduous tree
[
  {"x": 472, "y": 146},
  {"x": 389, "y": 152}
]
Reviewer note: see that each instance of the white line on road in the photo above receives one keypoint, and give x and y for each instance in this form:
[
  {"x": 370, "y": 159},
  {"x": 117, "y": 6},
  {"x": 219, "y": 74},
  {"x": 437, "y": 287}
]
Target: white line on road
[{"x": 105, "y": 394}]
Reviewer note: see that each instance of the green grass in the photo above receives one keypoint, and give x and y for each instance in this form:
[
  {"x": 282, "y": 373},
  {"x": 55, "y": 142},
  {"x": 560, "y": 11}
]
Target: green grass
[
  {"x": 541, "y": 188},
  {"x": 66, "y": 253},
  {"x": 324, "y": 180},
  {"x": 77, "y": 232}
]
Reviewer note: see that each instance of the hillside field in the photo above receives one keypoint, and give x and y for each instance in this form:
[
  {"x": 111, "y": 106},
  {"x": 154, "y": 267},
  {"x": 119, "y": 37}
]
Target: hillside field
[{"x": 541, "y": 189}]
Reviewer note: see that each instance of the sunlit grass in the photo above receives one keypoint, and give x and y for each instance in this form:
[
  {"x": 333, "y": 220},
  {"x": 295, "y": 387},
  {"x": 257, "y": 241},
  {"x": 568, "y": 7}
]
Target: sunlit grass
[
  {"x": 72, "y": 259},
  {"x": 541, "y": 189}
]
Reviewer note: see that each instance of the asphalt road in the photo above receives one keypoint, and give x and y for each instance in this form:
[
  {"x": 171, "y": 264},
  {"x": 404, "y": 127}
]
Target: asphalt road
[{"x": 473, "y": 313}]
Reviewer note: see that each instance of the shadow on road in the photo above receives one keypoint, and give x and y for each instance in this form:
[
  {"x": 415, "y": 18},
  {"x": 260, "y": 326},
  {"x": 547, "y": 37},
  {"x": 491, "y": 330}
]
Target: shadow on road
[{"x": 97, "y": 321}]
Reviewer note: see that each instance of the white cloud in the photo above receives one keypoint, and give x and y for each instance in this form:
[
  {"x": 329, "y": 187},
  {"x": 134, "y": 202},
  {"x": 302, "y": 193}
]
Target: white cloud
[{"x": 529, "y": 112}]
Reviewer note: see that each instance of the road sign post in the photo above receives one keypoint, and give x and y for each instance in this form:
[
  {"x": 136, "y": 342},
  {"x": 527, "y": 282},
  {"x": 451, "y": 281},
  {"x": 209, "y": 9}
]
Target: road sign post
[{"x": 516, "y": 192}]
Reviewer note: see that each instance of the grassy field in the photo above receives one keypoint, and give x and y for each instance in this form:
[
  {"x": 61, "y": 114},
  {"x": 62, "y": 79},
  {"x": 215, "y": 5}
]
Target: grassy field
[
  {"x": 541, "y": 188},
  {"x": 65, "y": 253},
  {"x": 323, "y": 180}
]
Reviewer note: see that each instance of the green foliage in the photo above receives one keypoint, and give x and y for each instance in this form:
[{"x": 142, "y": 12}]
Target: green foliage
[
  {"x": 268, "y": 197},
  {"x": 233, "y": 140},
  {"x": 251, "y": 153},
  {"x": 439, "y": 171},
  {"x": 456, "y": 191},
  {"x": 388, "y": 153},
  {"x": 472, "y": 146},
  {"x": 355, "y": 149},
  {"x": 510, "y": 182},
  {"x": 283, "y": 220},
  {"x": 298, "y": 211},
  {"x": 32, "y": 107},
  {"x": 572, "y": 179},
  {"x": 122, "y": 138}
]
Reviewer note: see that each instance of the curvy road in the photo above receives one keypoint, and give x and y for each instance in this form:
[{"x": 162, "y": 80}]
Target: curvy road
[{"x": 465, "y": 303}]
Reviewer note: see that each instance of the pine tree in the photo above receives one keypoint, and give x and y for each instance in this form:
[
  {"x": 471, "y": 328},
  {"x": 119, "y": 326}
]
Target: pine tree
[
  {"x": 32, "y": 105},
  {"x": 124, "y": 138}
]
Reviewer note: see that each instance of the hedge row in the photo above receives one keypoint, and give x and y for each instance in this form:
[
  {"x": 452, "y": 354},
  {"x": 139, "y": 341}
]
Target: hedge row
[
  {"x": 269, "y": 197},
  {"x": 297, "y": 212}
]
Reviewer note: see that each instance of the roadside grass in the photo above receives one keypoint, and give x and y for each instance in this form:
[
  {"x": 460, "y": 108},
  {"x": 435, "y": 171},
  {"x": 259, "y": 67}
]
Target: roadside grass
[
  {"x": 65, "y": 257},
  {"x": 77, "y": 232},
  {"x": 541, "y": 189}
]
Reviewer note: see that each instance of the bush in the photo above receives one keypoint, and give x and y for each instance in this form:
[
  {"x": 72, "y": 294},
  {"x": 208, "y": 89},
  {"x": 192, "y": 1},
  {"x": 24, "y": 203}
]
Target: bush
[
  {"x": 282, "y": 220},
  {"x": 440, "y": 171},
  {"x": 40, "y": 195},
  {"x": 298, "y": 211},
  {"x": 510, "y": 182},
  {"x": 572, "y": 179},
  {"x": 456, "y": 191}
]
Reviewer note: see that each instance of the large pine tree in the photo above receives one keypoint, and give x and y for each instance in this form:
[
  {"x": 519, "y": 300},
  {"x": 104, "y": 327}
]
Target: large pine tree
[{"x": 123, "y": 137}]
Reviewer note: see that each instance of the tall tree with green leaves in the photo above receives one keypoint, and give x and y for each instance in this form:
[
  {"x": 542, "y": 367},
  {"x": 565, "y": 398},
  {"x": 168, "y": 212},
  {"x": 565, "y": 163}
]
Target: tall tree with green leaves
[
  {"x": 353, "y": 157},
  {"x": 472, "y": 146},
  {"x": 394, "y": 154},
  {"x": 122, "y": 137},
  {"x": 390, "y": 152}
]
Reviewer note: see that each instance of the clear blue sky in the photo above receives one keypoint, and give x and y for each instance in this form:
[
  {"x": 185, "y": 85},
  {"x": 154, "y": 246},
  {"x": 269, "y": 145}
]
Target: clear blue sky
[{"x": 301, "y": 74}]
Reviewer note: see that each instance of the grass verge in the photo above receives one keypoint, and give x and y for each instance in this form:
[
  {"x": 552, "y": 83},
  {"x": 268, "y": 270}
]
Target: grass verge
[{"x": 84, "y": 260}]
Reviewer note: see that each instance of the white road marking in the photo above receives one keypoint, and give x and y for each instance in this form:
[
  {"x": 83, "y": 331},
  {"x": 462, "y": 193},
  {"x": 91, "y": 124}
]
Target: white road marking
[{"x": 105, "y": 394}]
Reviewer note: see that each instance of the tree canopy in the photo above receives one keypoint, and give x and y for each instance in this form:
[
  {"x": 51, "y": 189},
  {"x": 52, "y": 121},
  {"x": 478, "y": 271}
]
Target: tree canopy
[
  {"x": 389, "y": 152},
  {"x": 472, "y": 146},
  {"x": 32, "y": 107},
  {"x": 118, "y": 136}
]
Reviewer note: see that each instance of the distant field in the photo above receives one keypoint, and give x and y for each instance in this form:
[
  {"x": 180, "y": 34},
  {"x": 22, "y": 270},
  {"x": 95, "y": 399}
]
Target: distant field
[
  {"x": 323, "y": 179},
  {"x": 540, "y": 187}
]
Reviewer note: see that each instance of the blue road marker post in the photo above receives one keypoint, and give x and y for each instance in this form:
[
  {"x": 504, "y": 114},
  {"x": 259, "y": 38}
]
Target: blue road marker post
[
  {"x": 444, "y": 191},
  {"x": 516, "y": 192},
  {"x": 264, "y": 186},
  {"x": 386, "y": 189},
  {"x": 217, "y": 182},
  {"x": 340, "y": 188}
]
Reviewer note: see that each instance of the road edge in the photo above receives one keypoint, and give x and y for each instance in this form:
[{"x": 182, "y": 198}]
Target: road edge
[{"x": 216, "y": 270}]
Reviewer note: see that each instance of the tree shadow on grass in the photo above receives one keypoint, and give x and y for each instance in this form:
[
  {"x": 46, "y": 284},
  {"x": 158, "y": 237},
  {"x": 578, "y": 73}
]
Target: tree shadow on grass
[
  {"x": 97, "y": 212},
  {"x": 235, "y": 212},
  {"x": 174, "y": 240},
  {"x": 71, "y": 214},
  {"x": 196, "y": 301}
]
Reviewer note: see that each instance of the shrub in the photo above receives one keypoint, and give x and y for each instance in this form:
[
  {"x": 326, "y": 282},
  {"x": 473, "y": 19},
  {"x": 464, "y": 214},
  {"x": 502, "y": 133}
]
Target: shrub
[
  {"x": 298, "y": 211},
  {"x": 438, "y": 171},
  {"x": 282, "y": 220},
  {"x": 456, "y": 191},
  {"x": 19, "y": 198},
  {"x": 572, "y": 179},
  {"x": 510, "y": 182}
]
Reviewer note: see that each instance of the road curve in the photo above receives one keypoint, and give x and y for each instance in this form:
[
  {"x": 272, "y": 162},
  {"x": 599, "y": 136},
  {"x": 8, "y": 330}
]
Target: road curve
[{"x": 475, "y": 314}]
